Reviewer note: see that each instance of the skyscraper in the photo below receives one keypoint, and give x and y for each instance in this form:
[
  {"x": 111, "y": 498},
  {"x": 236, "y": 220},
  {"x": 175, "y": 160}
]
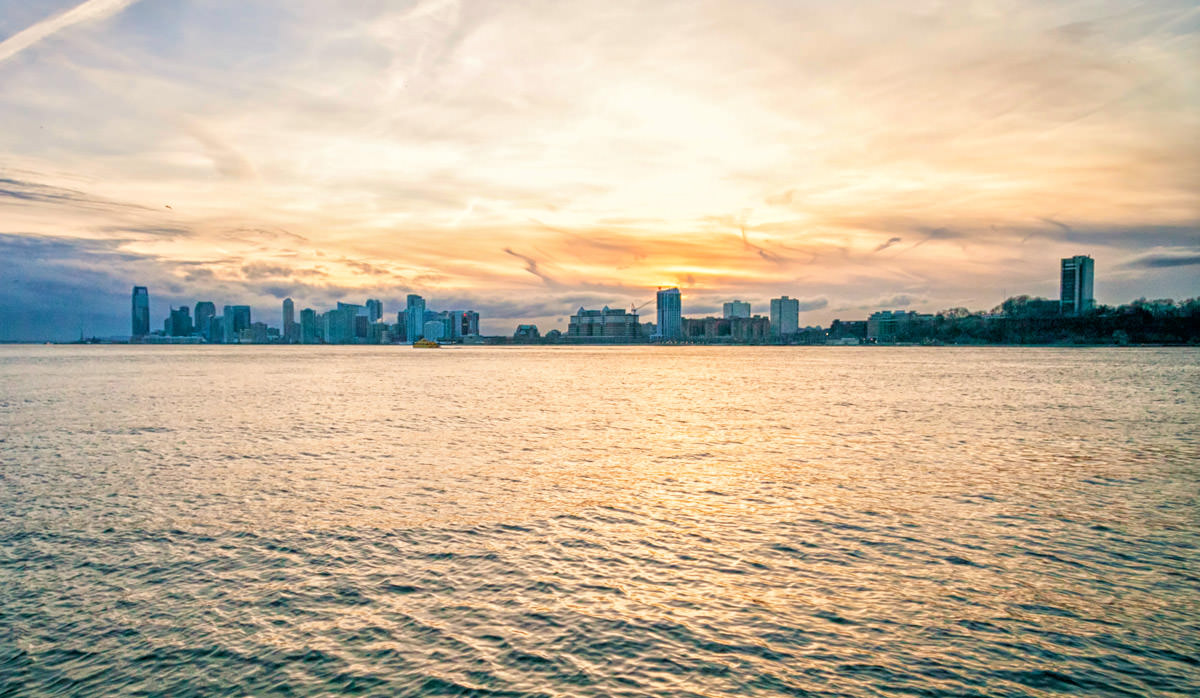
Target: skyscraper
[
  {"x": 670, "y": 314},
  {"x": 205, "y": 312},
  {"x": 141, "y": 312},
  {"x": 339, "y": 324},
  {"x": 289, "y": 321},
  {"x": 308, "y": 326},
  {"x": 235, "y": 319},
  {"x": 374, "y": 310},
  {"x": 1075, "y": 291},
  {"x": 414, "y": 317},
  {"x": 179, "y": 324},
  {"x": 737, "y": 309},
  {"x": 470, "y": 322},
  {"x": 785, "y": 316}
]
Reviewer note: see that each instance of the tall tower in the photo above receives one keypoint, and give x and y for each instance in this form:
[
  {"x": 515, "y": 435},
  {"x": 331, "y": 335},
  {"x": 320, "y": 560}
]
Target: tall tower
[
  {"x": 670, "y": 314},
  {"x": 308, "y": 326},
  {"x": 785, "y": 316},
  {"x": 205, "y": 312},
  {"x": 289, "y": 321},
  {"x": 141, "y": 312},
  {"x": 1075, "y": 291},
  {"x": 414, "y": 318},
  {"x": 374, "y": 310}
]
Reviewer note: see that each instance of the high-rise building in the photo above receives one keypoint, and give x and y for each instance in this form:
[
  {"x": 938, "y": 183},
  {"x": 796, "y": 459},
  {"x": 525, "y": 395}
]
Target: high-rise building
[
  {"x": 205, "y": 312},
  {"x": 434, "y": 329},
  {"x": 179, "y": 323},
  {"x": 469, "y": 323},
  {"x": 289, "y": 321},
  {"x": 308, "y": 326},
  {"x": 141, "y": 312},
  {"x": 414, "y": 320},
  {"x": 736, "y": 309},
  {"x": 340, "y": 324},
  {"x": 215, "y": 332},
  {"x": 460, "y": 323},
  {"x": 236, "y": 318},
  {"x": 670, "y": 314},
  {"x": 374, "y": 310},
  {"x": 1075, "y": 292},
  {"x": 785, "y": 316}
]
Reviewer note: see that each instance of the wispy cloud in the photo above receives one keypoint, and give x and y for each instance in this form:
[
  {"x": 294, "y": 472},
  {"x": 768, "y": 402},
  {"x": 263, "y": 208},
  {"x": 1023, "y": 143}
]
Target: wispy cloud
[
  {"x": 84, "y": 12},
  {"x": 523, "y": 153},
  {"x": 1164, "y": 260}
]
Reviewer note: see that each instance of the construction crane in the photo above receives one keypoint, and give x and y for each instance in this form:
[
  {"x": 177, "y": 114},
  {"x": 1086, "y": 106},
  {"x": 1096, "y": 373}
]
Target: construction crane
[{"x": 634, "y": 308}]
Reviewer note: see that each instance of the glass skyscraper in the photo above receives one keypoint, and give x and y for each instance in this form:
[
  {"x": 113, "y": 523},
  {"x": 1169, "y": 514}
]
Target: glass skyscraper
[
  {"x": 670, "y": 314},
  {"x": 289, "y": 321},
  {"x": 374, "y": 309},
  {"x": 202, "y": 320},
  {"x": 414, "y": 318},
  {"x": 141, "y": 312}
]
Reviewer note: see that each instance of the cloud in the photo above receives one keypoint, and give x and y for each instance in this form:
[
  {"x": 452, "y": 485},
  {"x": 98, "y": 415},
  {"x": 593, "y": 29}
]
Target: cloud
[
  {"x": 227, "y": 161},
  {"x": 84, "y": 12},
  {"x": 1162, "y": 260},
  {"x": 809, "y": 304},
  {"x": 889, "y": 243},
  {"x": 531, "y": 266},
  {"x": 604, "y": 144}
]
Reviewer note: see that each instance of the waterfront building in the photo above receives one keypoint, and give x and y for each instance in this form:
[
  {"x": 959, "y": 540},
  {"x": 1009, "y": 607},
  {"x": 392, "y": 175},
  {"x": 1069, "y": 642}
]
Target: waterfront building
[
  {"x": 434, "y": 330},
  {"x": 308, "y": 326},
  {"x": 894, "y": 325},
  {"x": 235, "y": 318},
  {"x": 202, "y": 317},
  {"x": 215, "y": 332},
  {"x": 414, "y": 318},
  {"x": 379, "y": 333},
  {"x": 840, "y": 330},
  {"x": 734, "y": 330},
  {"x": 374, "y": 310},
  {"x": 466, "y": 322},
  {"x": 526, "y": 334},
  {"x": 1075, "y": 289},
  {"x": 670, "y": 314},
  {"x": 141, "y": 312},
  {"x": 290, "y": 333},
  {"x": 737, "y": 309},
  {"x": 179, "y": 322},
  {"x": 256, "y": 333},
  {"x": 785, "y": 316},
  {"x": 340, "y": 324},
  {"x": 607, "y": 324}
]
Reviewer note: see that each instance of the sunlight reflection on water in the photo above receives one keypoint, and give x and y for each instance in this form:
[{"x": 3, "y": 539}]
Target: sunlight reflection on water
[{"x": 598, "y": 521}]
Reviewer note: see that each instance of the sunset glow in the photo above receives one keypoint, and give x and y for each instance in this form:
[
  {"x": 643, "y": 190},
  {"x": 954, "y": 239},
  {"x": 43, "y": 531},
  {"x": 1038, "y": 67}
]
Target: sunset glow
[{"x": 525, "y": 158}]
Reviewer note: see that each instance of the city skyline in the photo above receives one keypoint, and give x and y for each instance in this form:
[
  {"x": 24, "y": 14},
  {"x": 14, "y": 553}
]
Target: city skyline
[
  {"x": 1073, "y": 318},
  {"x": 525, "y": 160}
]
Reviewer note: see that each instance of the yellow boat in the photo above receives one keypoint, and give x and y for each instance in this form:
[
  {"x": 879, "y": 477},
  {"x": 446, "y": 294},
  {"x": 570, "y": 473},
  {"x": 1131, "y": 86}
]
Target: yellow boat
[{"x": 426, "y": 344}]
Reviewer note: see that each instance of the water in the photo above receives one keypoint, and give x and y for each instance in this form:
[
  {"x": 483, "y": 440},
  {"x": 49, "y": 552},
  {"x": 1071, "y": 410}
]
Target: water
[{"x": 599, "y": 521}]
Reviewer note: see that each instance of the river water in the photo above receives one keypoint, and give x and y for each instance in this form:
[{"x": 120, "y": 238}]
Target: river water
[{"x": 612, "y": 521}]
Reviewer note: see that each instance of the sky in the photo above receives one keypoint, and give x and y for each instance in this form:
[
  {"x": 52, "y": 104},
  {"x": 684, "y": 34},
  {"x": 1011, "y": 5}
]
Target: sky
[{"x": 525, "y": 158}]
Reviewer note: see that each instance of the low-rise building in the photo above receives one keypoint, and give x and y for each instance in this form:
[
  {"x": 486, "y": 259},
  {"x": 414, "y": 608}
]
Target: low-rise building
[
  {"x": 894, "y": 325},
  {"x": 606, "y": 324}
]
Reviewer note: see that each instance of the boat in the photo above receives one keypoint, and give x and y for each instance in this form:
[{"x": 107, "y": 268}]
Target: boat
[{"x": 426, "y": 344}]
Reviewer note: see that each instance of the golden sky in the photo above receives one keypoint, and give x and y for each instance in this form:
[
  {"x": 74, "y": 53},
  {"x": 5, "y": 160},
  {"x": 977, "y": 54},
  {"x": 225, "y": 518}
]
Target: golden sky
[{"x": 526, "y": 158}]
